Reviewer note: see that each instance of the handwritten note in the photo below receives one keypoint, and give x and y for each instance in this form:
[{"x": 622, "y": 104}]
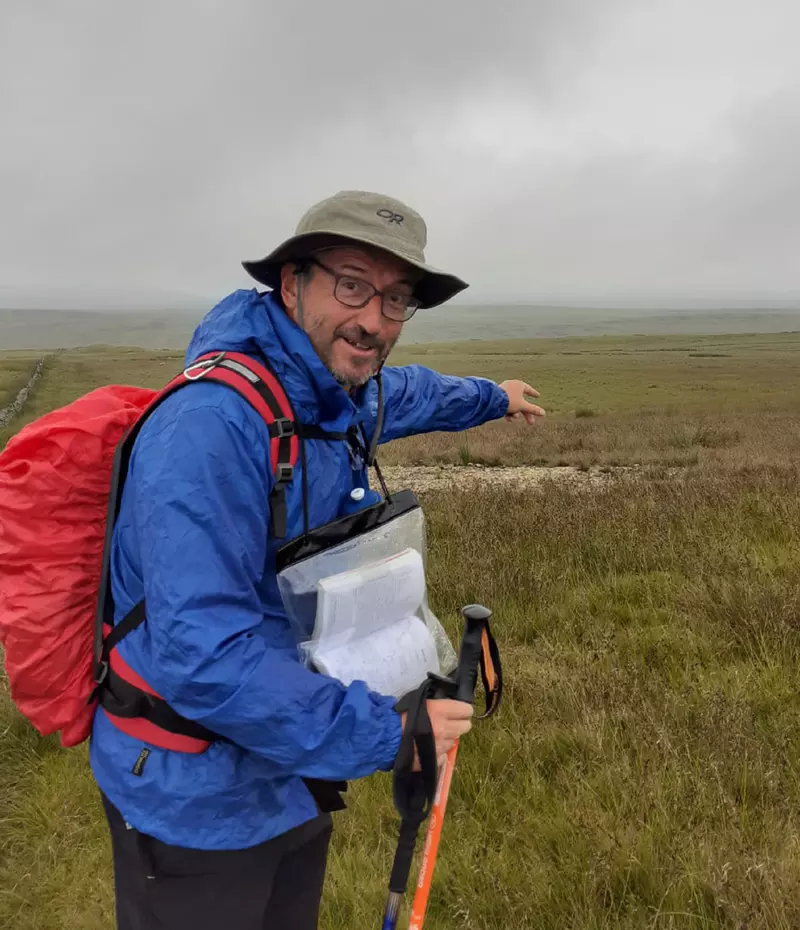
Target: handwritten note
[
  {"x": 393, "y": 660},
  {"x": 367, "y": 627},
  {"x": 355, "y": 603}
]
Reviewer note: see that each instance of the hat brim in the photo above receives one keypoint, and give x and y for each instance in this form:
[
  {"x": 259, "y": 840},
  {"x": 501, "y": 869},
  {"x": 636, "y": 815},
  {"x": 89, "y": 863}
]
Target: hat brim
[{"x": 435, "y": 287}]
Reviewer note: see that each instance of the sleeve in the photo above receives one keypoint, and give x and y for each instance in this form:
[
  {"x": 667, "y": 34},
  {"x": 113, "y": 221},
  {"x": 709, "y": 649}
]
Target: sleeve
[
  {"x": 200, "y": 504},
  {"x": 420, "y": 400}
]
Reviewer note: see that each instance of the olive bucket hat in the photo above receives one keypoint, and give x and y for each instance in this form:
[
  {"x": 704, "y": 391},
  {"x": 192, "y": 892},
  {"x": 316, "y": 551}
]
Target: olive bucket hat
[{"x": 369, "y": 219}]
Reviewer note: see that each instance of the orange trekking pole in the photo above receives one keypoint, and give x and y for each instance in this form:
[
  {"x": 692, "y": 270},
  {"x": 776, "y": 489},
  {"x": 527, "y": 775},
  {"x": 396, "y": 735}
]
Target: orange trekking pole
[
  {"x": 418, "y": 795},
  {"x": 431, "y": 848},
  {"x": 490, "y": 667}
]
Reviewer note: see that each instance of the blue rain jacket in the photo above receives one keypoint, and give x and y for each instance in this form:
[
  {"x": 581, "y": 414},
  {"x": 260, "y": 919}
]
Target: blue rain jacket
[{"x": 193, "y": 539}]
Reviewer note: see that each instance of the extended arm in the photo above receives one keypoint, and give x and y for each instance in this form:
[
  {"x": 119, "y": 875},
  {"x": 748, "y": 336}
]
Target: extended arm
[{"x": 420, "y": 400}]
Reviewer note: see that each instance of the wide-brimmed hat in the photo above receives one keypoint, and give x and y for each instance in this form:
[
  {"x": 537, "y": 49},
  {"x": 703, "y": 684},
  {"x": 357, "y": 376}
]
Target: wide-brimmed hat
[{"x": 369, "y": 219}]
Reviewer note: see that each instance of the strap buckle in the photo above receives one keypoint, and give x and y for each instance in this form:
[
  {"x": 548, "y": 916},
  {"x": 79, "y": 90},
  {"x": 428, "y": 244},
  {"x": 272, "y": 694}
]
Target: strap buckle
[
  {"x": 196, "y": 371},
  {"x": 98, "y": 681},
  {"x": 102, "y": 673},
  {"x": 282, "y": 427},
  {"x": 285, "y": 474}
]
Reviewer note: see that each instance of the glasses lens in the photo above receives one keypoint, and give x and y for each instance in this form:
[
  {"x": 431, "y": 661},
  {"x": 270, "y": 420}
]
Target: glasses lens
[
  {"x": 399, "y": 307},
  {"x": 353, "y": 291}
]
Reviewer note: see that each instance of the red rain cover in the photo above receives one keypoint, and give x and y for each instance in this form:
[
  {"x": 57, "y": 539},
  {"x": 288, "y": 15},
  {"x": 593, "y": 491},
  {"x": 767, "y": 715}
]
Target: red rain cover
[{"x": 55, "y": 476}]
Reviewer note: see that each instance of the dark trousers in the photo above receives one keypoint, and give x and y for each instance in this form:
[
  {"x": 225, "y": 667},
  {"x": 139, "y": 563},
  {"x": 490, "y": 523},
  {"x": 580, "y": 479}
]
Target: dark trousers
[{"x": 274, "y": 886}]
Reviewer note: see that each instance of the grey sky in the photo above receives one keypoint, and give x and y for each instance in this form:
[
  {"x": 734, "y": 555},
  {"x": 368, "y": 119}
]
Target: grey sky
[{"x": 559, "y": 150}]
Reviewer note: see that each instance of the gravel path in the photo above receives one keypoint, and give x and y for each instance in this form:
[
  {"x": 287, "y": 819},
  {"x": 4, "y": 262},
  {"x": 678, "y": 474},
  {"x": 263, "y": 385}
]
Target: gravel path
[{"x": 439, "y": 477}]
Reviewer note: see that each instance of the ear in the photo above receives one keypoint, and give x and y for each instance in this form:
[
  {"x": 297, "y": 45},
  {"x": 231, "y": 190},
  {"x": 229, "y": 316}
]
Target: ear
[{"x": 289, "y": 285}]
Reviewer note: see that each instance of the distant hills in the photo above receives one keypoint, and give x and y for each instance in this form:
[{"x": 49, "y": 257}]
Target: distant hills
[
  {"x": 66, "y": 329},
  {"x": 36, "y": 329}
]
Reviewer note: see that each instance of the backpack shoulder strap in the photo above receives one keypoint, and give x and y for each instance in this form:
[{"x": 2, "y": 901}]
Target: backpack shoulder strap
[{"x": 259, "y": 385}]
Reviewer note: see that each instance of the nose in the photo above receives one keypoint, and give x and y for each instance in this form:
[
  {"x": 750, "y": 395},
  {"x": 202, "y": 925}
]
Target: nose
[{"x": 370, "y": 317}]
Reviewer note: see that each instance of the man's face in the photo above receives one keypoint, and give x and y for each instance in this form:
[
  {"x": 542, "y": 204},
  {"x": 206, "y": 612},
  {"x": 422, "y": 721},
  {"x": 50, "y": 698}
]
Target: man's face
[{"x": 352, "y": 342}]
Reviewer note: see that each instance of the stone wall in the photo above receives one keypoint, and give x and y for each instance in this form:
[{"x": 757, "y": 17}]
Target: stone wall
[{"x": 8, "y": 413}]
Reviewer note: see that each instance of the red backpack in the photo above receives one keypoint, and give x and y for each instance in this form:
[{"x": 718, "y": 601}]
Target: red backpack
[{"x": 61, "y": 480}]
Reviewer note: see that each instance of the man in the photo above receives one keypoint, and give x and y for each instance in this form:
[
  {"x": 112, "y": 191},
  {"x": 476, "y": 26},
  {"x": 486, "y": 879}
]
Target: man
[{"x": 233, "y": 836}]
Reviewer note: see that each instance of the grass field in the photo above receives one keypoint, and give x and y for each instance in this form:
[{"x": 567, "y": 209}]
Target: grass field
[
  {"x": 729, "y": 400},
  {"x": 644, "y": 771}
]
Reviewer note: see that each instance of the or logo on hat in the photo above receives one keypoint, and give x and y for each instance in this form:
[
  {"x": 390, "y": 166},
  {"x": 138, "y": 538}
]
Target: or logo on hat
[{"x": 391, "y": 216}]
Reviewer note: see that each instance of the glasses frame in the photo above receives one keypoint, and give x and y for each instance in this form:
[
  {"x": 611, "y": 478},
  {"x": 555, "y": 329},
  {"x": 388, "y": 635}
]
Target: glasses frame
[{"x": 413, "y": 303}]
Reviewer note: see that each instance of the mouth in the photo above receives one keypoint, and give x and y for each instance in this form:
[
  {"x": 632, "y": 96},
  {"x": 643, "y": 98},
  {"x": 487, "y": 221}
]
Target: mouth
[{"x": 359, "y": 349}]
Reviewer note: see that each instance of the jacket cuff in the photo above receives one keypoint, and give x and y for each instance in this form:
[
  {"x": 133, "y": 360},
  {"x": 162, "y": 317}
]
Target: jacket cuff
[
  {"x": 500, "y": 401},
  {"x": 394, "y": 732}
]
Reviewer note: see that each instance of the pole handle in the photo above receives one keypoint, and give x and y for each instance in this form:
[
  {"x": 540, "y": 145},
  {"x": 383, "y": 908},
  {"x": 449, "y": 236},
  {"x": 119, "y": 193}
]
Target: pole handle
[{"x": 476, "y": 618}]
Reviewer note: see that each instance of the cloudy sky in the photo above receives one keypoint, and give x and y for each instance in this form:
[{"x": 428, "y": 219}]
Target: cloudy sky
[{"x": 559, "y": 150}]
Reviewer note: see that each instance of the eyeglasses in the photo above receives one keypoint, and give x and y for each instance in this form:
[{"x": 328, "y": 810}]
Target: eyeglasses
[{"x": 356, "y": 293}]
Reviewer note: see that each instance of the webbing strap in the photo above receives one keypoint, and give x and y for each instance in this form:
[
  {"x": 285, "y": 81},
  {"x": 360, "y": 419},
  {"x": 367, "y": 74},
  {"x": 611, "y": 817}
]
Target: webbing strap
[
  {"x": 312, "y": 431},
  {"x": 413, "y": 792},
  {"x": 491, "y": 672},
  {"x": 122, "y": 699},
  {"x": 108, "y": 642},
  {"x": 417, "y": 734},
  {"x": 261, "y": 387},
  {"x": 327, "y": 794},
  {"x": 129, "y": 622},
  {"x": 479, "y": 651}
]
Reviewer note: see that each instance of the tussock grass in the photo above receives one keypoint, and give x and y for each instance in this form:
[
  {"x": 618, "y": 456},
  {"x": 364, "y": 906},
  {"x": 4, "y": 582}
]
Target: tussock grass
[
  {"x": 729, "y": 401},
  {"x": 670, "y": 438},
  {"x": 644, "y": 770},
  {"x": 54, "y": 852},
  {"x": 621, "y": 401}
]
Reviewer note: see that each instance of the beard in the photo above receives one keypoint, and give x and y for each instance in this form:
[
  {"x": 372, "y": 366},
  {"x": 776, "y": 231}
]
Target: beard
[
  {"x": 349, "y": 382},
  {"x": 355, "y": 334}
]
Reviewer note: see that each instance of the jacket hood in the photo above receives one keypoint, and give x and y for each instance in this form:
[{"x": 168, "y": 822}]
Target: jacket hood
[{"x": 256, "y": 324}]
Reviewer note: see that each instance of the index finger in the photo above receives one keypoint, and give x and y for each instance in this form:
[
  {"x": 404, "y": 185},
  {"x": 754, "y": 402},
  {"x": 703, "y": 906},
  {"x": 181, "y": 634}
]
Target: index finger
[
  {"x": 532, "y": 408},
  {"x": 460, "y": 710},
  {"x": 530, "y": 390}
]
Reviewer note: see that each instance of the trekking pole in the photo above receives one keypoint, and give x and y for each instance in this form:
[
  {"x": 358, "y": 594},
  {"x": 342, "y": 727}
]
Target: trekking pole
[
  {"x": 429, "y": 851},
  {"x": 414, "y": 790},
  {"x": 477, "y": 649}
]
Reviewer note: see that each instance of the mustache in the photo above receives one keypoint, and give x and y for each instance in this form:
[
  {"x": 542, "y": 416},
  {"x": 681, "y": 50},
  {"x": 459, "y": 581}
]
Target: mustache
[{"x": 356, "y": 334}]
